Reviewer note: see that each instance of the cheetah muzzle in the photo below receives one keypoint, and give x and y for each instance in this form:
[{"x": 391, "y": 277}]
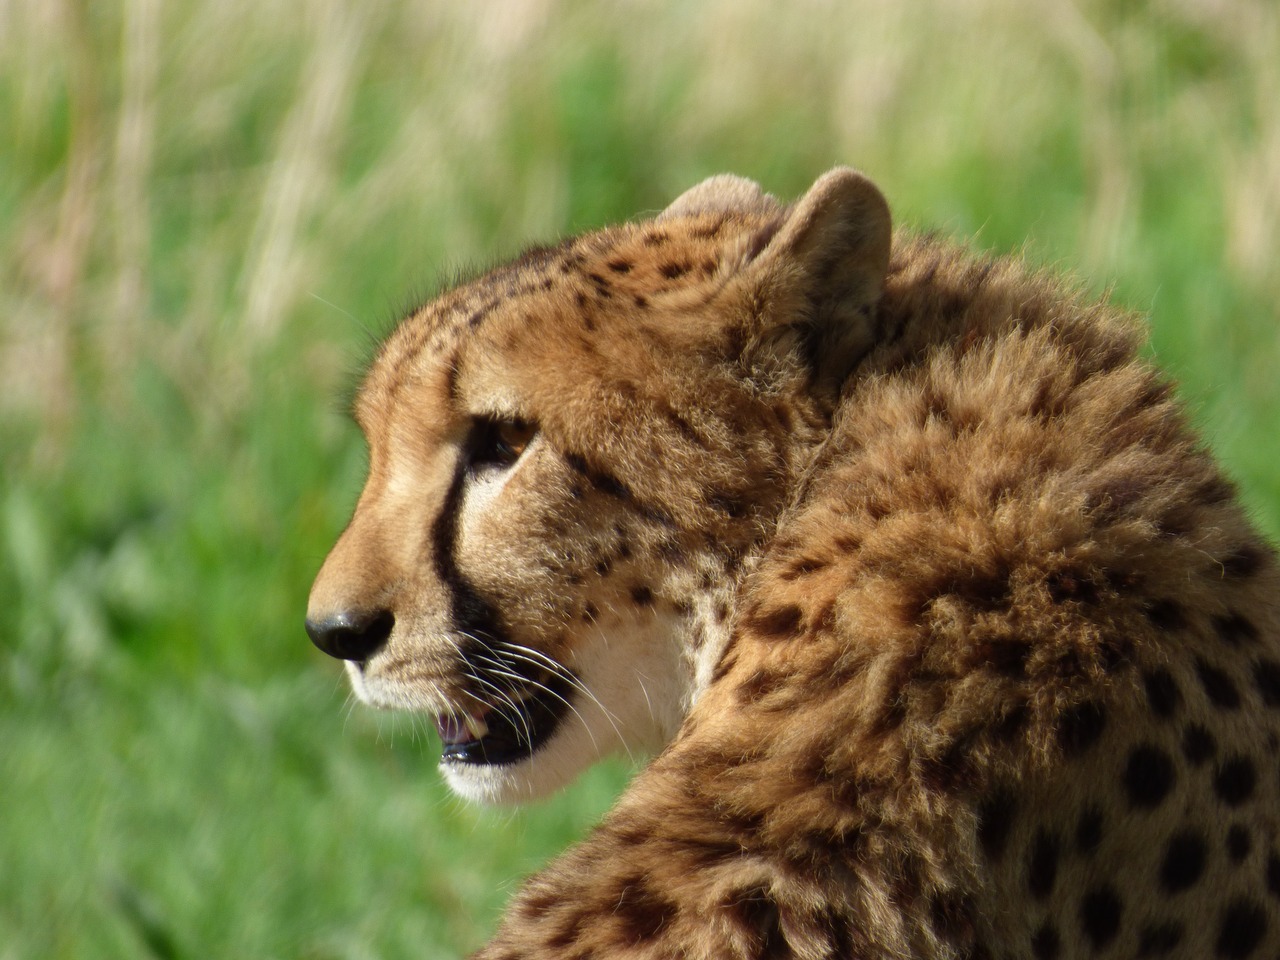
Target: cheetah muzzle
[{"x": 950, "y": 637}]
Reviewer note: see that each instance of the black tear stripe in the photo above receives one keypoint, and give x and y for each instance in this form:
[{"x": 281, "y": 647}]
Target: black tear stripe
[
  {"x": 485, "y": 648},
  {"x": 472, "y": 616}
]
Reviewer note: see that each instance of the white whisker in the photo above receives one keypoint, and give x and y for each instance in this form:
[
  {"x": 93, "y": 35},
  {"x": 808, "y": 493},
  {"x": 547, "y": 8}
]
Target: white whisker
[
  {"x": 505, "y": 699},
  {"x": 537, "y": 657}
]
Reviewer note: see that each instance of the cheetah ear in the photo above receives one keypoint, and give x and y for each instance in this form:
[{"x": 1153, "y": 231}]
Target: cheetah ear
[
  {"x": 831, "y": 251},
  {"x": 723, "y": 193}
]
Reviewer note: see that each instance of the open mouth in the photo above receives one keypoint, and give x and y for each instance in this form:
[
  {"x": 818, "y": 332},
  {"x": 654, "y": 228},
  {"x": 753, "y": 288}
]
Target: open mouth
[{"x": 507, "y": 733}]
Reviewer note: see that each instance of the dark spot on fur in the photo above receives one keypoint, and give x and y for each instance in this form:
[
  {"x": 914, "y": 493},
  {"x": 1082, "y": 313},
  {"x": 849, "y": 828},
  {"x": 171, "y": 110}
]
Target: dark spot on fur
[
  {"x": 601, "y": 480},
  {"x": 1100, "y": 912},
  {"x": 1243, "y": 562},
  {"x": 1011, "y": 723},
  {"x": 640, "y": 301},
  {"x": 623, "y": 548},
  {"x": 670, "y": 551},
  {"x": 760, "y": 685},
  {"x": 727, "y": 662},
  {"x": 683, "y": 427},
  {"x": 951, "y": 770},
  {"x": 1123, "y": 581},
  {"x": 1008, "y": 658},
  {"x": 1066, "y": 586},
  {"x": 995, "y": 821},
  {"x": 1239, "y": 842},
  {"x": 839, "y": 935},
  {"x": 673, "y": 269},
  {"x": 1089, "y": 830},
  {"x": 1216, "y": 490},
  {"x": 1148, "y": 776},
  {"x": 1218, "y": 686},
  {"x": 1184, "y": 861},
  {"x": 1080, "y": 727},
  {"x": 642, "y": 596},
  {"x": 1042, "y": 864},
  {"x": 1234, "y": 780},
  {"x": 847, "y": 544},
  {"x": 709, "y": 230},
  {"x": 1162, "y": 692},
  {"x": 1198, "y": 745},
  {"x": 892, "y": 714},
  {"x": 1266, "y": 675},
  {"x": 982, "y": 592},
  {"x": 735, "y": 342},
  {"x": 620, "y": 265},
  {"x": 730, "y": 506},
  {"x": 1115, "y": 498},
  {"x": 1235, "y": 629},
  {"x": 643, "y": 913},
  {"x": 1273, "y": 875},
  {"x": 1115, "y": 653},
  {"x": 1045, "y": 942},
  {"x": 629, "y": 834},
  {"x": 603, "y": 566},
  {"x": 951, "y": 918},
  {"x": 1166, "y": 615},
  {"x": 655, "y": 238},
  {"x": 779, "y": 621},
  {"x": 590, "y": 614},
  {"x": 611, "y": 485},
  {"x": 1243, "y": 925},
  {"x": 1159, "y": 939},
  {"x": 756, "y": 915},
  {"x": 566, "y": 934},
  {"x": 655, "y": 514},
  {"x": 802, "y": 567}
]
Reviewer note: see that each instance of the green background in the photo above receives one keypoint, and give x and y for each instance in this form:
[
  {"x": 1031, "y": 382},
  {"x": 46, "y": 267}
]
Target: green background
[{"x": 209, "y": 211}]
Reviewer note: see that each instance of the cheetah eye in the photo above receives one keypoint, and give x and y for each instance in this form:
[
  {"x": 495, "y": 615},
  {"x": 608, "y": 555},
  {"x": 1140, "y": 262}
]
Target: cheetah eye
[{"x": 497, "y": 444}]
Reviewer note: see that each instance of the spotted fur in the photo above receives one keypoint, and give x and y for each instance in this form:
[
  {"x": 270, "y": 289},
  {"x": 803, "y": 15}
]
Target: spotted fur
[{"x": 952, "y": 638}]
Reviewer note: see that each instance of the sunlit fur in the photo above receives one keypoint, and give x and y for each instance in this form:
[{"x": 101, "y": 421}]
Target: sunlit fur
[{"x": 958, "y": 640}]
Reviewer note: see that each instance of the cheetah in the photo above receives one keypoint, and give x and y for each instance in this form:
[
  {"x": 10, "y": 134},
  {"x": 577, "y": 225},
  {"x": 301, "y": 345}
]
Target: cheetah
[{"x": 949, "y": 636}]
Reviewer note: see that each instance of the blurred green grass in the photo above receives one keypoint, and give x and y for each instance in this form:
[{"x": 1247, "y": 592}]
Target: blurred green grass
[{"x": 209, "y": 211}]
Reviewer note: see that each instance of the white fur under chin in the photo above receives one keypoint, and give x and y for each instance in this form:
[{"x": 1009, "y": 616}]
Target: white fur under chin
[{"x": 639, "y": 693}]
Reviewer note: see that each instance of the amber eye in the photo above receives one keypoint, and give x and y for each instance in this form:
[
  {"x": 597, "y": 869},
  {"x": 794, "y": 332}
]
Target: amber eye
[{"x": 497, "y": 444}]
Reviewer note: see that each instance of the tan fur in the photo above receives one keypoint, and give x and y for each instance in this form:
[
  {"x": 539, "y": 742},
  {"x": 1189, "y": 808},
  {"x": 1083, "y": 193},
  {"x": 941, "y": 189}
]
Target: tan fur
[{"x": 953, "y": 638}]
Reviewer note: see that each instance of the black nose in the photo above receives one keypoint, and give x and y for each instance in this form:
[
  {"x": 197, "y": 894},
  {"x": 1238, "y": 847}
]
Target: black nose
[{"x": 351, "y": 635}]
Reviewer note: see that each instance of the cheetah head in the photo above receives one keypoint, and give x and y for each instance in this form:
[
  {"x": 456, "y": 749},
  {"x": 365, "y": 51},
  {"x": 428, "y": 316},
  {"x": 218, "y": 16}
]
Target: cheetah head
[{"x": 572, "y": 459}]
